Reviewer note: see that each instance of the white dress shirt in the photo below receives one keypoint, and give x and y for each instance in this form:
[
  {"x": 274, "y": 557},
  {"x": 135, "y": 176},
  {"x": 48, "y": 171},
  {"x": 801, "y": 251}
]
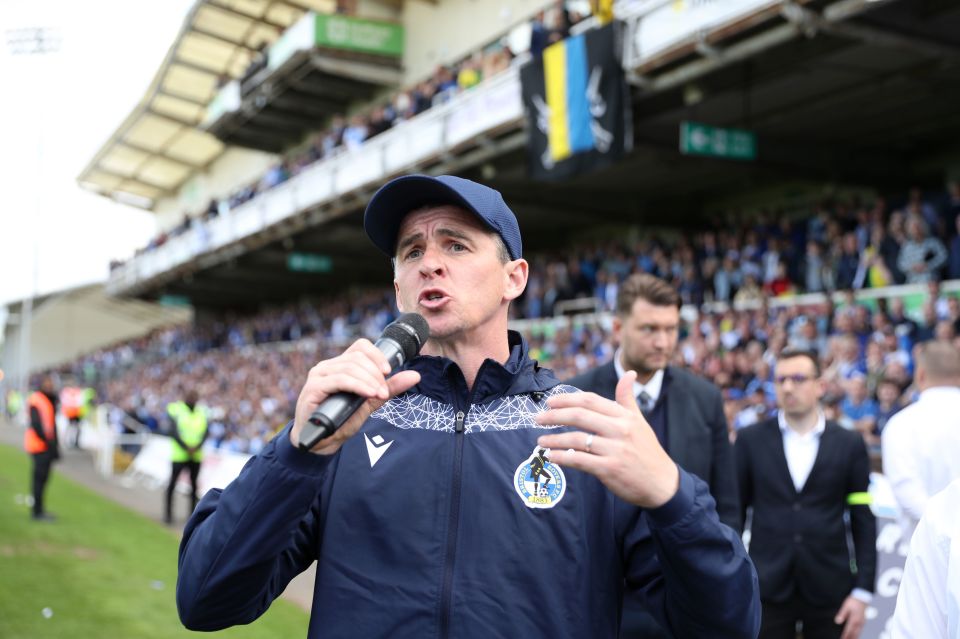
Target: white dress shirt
[
  {"x": 921, "y": 448},
  {"x": 800, "y": 450},
  {"x": 928, "y": 604},
  {"x": 652, "y": 387},
  {"x": 801, "y": 453}
]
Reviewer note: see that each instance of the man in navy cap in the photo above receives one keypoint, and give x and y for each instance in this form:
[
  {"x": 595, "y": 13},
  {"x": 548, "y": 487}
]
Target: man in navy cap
[{"x": 472, "y": 494}]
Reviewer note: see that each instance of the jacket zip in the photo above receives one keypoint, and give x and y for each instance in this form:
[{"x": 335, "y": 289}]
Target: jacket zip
[{"x": 453, "y": 524}]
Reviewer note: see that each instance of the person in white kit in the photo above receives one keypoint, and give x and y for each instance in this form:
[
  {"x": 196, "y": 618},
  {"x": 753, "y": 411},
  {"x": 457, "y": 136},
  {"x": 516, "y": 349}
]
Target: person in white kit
[
  {"x": 928, "y": 604},
  {"x": 921, "y": 443}
]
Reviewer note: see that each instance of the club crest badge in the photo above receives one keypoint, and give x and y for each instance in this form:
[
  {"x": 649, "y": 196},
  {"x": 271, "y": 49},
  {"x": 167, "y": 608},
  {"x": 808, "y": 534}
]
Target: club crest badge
[{"x": 539, "y": 483}]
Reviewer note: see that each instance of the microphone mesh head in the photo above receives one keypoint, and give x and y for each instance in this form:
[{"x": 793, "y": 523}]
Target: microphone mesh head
[{"x": 410, "y": 331}]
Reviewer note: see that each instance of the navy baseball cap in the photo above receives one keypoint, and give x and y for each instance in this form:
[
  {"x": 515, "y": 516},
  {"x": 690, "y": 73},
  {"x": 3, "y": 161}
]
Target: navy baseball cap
[{"x": 399, "y": 196}]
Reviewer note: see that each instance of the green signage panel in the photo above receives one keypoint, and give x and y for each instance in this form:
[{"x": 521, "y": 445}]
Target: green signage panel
[
  {"x": 174, "y": 300},
  {"x": 702, "y": 139},
  {"x": 357, "y": 34},
  {"x": 309, "y": 263}
]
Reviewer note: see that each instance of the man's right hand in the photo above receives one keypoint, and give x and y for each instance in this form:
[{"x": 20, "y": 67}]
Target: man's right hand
[{"x": 362, "y": 369}]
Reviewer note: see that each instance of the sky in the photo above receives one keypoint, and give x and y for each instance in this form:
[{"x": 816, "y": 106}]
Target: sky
[{"x": 56, "y": 112}]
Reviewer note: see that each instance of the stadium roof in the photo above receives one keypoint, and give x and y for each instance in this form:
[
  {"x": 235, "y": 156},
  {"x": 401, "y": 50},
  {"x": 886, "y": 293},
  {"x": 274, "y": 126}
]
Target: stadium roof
[{"x": 160, "y": 145}]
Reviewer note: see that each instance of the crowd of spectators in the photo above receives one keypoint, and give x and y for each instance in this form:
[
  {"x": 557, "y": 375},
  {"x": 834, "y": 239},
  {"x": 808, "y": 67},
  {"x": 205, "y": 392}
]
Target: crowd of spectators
[
  {"x": 838, "y": 245},
  {"x": 249, "y": 372},
  {"x": 248, "y": 369}
]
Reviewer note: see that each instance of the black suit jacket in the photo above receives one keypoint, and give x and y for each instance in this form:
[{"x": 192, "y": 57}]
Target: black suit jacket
[
  {"x": 798, "y": 540},
  {"x": 696, "y": 431}
]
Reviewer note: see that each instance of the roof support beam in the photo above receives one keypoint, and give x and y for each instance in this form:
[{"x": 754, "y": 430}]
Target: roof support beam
[
  {"x": 160, "y": 152},
  {"x": 199, "y": 68},
  {"x": 292, "y": 4},
  {"x": 133, "y": 178},
  {"x": 182, "y": 96},
  {"x": 833, "y": 22},
  {"x": 171, "y": 118},
  {"x": 242, "y": 14},
  {"x": 220, "y": 38}
]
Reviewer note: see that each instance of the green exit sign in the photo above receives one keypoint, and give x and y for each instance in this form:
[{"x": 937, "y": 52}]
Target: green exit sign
[
  {"x": 174, "y": 300},
  {"x": 702, "y": 139},
  {"x": 309, "y": 263}
]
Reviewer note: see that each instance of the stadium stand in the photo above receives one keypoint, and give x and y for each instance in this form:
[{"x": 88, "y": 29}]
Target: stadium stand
[
  {"x": 259, "y": 143},
  {"x": 729, "y": 338},
  {"x": 741, "y": 272}
]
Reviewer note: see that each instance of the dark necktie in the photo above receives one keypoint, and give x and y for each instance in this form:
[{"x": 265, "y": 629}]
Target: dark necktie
[{"x": 645, "y": 402}]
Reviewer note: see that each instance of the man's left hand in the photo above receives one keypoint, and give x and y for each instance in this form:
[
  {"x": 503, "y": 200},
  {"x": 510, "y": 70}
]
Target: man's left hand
[
  {"x": 614, "y": 443},
  {"x": 852, "y": 616}
]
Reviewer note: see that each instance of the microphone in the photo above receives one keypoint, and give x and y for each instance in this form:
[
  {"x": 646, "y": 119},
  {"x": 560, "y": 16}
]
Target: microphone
[{"x": 401, "y": 340}]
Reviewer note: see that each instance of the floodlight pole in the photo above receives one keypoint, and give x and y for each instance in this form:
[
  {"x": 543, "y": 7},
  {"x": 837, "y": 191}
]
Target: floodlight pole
[{"x": 34, "y": 42}]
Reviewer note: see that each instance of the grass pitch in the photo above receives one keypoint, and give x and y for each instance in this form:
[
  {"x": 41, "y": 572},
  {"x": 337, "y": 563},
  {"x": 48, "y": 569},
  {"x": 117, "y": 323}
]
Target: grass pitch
[{"x": 98, "y": 571}]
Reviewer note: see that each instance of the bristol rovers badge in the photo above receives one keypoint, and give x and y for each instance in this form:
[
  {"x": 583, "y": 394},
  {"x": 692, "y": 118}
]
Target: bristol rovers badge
[{"x": 539, "y": 483}]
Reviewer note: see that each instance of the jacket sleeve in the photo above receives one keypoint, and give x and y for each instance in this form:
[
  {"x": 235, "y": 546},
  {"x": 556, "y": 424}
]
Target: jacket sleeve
[
  {"x": 744, "y": 479},
  {"x": 863, "y": 524},
  {"x": 900, "y": 465},
  {"x": 938, "y": 253},
  {"x": 244, "y": 544},
  {"x": 692, "y": 571},
  {"x": 922, "y": 600},
  {"x": 723, "y": 480}
]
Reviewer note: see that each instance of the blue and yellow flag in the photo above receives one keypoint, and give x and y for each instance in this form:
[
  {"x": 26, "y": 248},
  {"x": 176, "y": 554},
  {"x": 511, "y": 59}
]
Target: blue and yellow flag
[
  {"x": 565, "y": 77},
  {"x": 577, "y": 105}
]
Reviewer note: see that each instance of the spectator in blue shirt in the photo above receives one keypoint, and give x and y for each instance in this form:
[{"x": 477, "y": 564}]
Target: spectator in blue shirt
[
  {"x": 857, "y": 408},
  {"x": 889, "y": 404}
]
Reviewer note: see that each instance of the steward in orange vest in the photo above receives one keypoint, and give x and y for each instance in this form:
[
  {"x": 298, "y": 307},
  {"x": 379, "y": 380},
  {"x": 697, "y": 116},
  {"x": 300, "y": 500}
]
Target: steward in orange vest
[{"x": 40, "y": 440}]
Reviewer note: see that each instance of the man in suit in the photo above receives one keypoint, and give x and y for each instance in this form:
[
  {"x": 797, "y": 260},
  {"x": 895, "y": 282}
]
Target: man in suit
[
  {"x": 800, "y": 473},
  {"x": 685, "y": 411}
]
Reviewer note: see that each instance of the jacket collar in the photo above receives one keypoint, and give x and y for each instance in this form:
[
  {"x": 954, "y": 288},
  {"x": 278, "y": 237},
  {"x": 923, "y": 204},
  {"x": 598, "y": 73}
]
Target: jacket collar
[{"x": 442, "y": 379}]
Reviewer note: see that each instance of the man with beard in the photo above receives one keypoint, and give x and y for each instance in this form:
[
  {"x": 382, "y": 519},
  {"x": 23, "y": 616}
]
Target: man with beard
[{"x": 685, "y": 411}]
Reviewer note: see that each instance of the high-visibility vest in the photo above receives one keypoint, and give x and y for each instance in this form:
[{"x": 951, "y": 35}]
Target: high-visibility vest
[
  {"x": 13, "y": 402},
  {"x": 71, "y": 402},
  {"x": 31, "y": 441},
  {"x": 191, "y": 425},
  {"x": 87, "y": 396}
]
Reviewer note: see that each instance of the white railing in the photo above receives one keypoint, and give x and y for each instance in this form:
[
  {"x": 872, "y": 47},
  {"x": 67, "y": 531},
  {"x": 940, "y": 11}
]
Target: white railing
[
  {"x": 492, "y": 105},
  {"x": 656, "y": 26},
  {"x": 102, "y": 436}
]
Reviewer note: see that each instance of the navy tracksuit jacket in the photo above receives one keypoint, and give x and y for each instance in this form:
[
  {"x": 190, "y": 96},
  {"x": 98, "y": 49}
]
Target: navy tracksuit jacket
[{"x": 441, "y": 519}]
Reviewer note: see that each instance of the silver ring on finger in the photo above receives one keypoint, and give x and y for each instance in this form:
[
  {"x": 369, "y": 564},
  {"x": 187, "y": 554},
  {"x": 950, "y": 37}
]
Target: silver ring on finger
[{"x": 589, "y": 442}]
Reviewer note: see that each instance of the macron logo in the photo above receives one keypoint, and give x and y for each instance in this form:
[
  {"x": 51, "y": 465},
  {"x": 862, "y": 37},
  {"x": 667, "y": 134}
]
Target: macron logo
[{"x": 376, "y": 448}]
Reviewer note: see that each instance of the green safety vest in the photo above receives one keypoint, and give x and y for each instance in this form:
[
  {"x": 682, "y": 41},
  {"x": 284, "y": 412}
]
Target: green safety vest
[
  {"x": 14, "y": 402},
  {"x": 191, "y": 426},
  {"x": 86, "y": 401}
]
